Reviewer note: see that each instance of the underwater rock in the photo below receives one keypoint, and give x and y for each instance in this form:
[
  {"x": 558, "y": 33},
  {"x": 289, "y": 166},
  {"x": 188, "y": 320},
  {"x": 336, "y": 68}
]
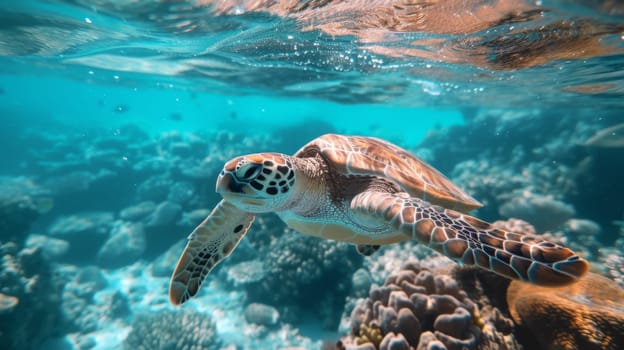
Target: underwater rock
[
  {"x": 70, "y": 183},
  {"x": 261, "y": 314},
  {"x": 161, "y": 230},
  {"x": 582, "y": 227},
  {"x": 361, "y": 282},
  {"x": 151, "y": 166},
  {"x": 118, "y": 142},
  {"x": 75, "y": 190},
  {"x": 193, "y": 218},
  {"x": 90, "y": 280},
  {"x": 30, "y": 298},
  {"x": 583, "y": 236},
  {"x": 78, "y": 225},
  {"x": 16, "y": 216},
  {"x": 204, "y": 170},
  {"x": 515, "y": 225},
  {"x": 246, "y": 273},
  {"x": 543, "y": 212},
  {"x": 180, "y": 149},
  {"x": 125, "y": 245},
  {"x": 85, "y": 232},
  {"x": 106, "y": 158},
  {"x": 116, "y": 305},
  {"x": 181, "y": 192},
  {"x": 7, "y": 303},
  {"x": 161, "y": 331},
  {"x": 296, "y": 265},
  {"x": 82, "y": 314},
  {"x": 583, "y": 316},
  {"x": 138, "y": 211},
  {"x": 166, "y": 213},
  {"x": 155, "y": 188},
  {"x": 164, "y": 264},
  {"x": 52, "y": 248}
]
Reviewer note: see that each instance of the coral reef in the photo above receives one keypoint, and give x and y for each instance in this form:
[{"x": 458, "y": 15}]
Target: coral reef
[
  {"x": 161, "y": 182},
  {"x": 30, "y": 293},
  {"x": 261, "y": 314},
  {"x": 81, "y": 313},
  {"x": 418, "y": 308},
  {"x": 125, "y": 197},
  {"x": 297, "y": 266},
  {"x": 85, "y": 232},
  {"x": 163, "y": 265},
  {"x": 52, "y": 248},
  {"x": 78, "y": 310},
  {"x": 586, "y": 315},
  {"x": 166, "y": 329},
  {"x": 613, "y": 262},
  {"x": 29, "y": 297},
  {"x": 543, "y": 212},
  {"x": 18, "y": 208},
  {"x": 516, "y": 161},
  {"x": 125, "y": 245}
]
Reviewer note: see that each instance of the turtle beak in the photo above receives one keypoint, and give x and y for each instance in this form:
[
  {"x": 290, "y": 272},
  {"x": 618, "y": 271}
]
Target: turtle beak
[
  {"x": 227, "y": 184},
  {"x": 225, "y": 181}
]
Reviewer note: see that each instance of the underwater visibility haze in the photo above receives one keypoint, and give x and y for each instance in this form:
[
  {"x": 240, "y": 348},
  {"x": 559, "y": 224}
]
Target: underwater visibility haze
[{"x": 474, "y": 201}]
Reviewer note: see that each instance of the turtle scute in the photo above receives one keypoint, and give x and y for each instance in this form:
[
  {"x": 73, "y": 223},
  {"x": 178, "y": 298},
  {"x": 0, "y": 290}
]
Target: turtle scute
[{"x": 369, "y": 156}]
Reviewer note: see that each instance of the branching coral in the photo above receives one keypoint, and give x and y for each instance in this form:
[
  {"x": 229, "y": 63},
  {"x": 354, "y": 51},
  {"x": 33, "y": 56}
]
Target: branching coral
[{"x": 166, "y": 329}]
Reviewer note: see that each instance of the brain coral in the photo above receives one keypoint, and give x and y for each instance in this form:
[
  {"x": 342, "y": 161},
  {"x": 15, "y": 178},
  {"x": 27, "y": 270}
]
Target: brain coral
[
  {"x": 418, "y": 308},
  {"x": 166, "y": 330},
  {"x": 587, "y": 315}
]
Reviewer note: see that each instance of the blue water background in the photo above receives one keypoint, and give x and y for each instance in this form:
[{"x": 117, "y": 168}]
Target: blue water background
[{"x": 77, "y": 77}]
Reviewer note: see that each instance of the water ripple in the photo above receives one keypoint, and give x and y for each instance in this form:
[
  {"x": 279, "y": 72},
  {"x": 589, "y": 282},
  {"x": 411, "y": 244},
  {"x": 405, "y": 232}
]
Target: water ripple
[{"x": 410, "y": 52}]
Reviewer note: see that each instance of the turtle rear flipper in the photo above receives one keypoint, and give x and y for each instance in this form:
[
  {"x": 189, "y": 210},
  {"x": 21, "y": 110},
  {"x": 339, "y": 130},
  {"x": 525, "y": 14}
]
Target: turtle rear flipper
[
  {"x": 471, "y": 241},
  {"x": 209, "y": 243}
]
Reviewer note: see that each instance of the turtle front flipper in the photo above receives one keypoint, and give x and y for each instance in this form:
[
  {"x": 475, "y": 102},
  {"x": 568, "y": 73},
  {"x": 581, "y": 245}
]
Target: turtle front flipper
[
  {"x": 209, "y": 243},
  {"x": 471, "y": 241}
]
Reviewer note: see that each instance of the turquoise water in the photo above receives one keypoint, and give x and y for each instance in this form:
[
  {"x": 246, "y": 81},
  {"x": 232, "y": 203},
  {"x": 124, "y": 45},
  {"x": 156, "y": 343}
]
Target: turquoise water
[{"x": 118, "y": 115}]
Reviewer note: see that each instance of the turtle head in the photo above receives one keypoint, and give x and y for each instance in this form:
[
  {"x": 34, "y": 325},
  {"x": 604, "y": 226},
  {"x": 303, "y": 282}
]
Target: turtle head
[{"x": 257, "y": 183}]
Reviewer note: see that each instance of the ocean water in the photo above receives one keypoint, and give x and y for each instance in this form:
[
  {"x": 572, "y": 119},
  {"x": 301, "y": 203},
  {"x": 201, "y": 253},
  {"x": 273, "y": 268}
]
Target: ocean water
[{"x": 117, "y": 117}]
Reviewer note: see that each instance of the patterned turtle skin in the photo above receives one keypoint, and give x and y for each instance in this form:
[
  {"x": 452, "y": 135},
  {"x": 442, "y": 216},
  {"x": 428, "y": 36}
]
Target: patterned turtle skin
[{"x": 368, "y": 192}]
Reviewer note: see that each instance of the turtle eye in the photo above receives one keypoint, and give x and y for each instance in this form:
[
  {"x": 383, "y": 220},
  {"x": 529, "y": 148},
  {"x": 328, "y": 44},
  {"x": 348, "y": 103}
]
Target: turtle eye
[{"x": 248, "y": 171}]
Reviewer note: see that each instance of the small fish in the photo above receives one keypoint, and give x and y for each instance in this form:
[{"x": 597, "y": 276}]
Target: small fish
[{"x": 121, "y": 108}]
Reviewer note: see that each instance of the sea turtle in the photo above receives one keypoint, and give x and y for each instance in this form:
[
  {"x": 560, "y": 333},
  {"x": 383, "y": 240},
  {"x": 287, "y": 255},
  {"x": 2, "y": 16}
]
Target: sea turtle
[{"x": 369, "y": 192}]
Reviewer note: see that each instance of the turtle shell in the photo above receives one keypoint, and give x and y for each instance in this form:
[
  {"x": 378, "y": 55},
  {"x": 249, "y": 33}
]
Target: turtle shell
[{"x": 369, "y": 156}]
